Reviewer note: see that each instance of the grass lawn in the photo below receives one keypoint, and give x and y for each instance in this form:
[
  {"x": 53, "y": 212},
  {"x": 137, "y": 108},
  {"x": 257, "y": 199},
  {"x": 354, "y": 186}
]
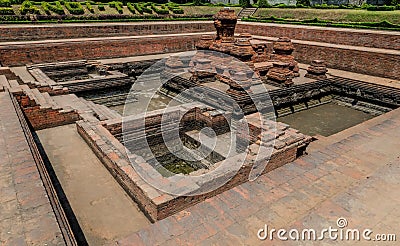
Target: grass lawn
[{"x": 337, "y": 15}]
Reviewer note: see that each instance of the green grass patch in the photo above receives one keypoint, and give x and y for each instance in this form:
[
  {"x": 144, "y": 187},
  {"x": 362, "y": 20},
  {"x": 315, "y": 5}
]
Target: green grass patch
[
  {"x": 335, "y": 15},
  {"x": 383, "y": 25}
]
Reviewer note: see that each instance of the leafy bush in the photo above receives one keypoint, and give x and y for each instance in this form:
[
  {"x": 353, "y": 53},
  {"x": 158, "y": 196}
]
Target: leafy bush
[
  {"x": 101, "y": 7},
  {"x": 303, "y": 3},
  {"x": 325, "y": 6},
  {"x": 6, "y": 11},
  {"x": 263, "y": 4},
  {"x": 74, "y": 8},
  {"x": 89, "y": 7},
  {"x": 282, "y": 6},
  {"x": 177, "y": 11},
  {"x": 244, "y": 3},
  {"x": 28, "y": 8},
  {"x": 5, "y": 3},
  {"x": 159, "y": 11},
  {"x": 58, "y": 9},
  {"x": 300, "y": 5},
  {"x": 16, "y": 1},
  {"x": 174, "y": 8},
  {"x": 381, "y": 8},
  {"x": 146, "y": 9},
  {"x": 131, "y": 8},
  {"x": 138, "y": 8},
  {"x": 117, "y": 5}
]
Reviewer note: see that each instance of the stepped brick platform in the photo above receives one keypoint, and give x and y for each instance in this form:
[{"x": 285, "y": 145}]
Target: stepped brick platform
[
  {"x": 45, "y": 111},
  {"x": 105, "y": 140},
  {"x": 354, "y": 175},
  {"x": 30, "y": 211}
]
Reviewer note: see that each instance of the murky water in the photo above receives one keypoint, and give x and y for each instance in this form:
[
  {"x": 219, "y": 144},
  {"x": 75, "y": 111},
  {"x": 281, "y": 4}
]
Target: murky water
[{"x": 325, "y": 120}]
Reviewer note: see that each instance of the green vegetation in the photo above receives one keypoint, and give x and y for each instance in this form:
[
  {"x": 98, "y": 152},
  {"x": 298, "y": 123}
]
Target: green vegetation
[
  {"x": 317, "y": 22},
  {"x": 244, "y": 3},
  {"x": 179, "y": 167},
  {"x": 57, "y": 8},
  {"x": 89, "y": 7},
  {"x": 327, "y": 15},
  {"x": 74, "y": 8},
  {"x": 27, "y": 7},
  {"x": 6, "y": 11},
  {"x": 117, "y": 5},
  {"x": 5, "y": 3},
  {"x": 131, "y": 8},
  {"x": 161, "y": 11},
  {"x": 333, "y": 15}
]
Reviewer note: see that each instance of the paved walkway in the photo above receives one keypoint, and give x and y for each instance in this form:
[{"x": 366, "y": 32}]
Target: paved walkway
[
  {"x": 26, "y": 216},
  {"x": 354, "y": 176},
  {"x": 103, "y": 209}
]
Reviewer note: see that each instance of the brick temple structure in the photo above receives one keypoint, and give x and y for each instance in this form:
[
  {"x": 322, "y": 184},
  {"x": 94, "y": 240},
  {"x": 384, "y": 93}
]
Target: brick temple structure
[{"x": 253, "y": 52}]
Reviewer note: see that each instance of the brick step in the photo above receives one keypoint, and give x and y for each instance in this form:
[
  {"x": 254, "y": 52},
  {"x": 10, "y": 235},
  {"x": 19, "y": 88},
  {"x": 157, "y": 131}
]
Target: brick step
[
  {"x": 42, "y": 78},
  {"x": 57, "y": 64},
  {"x": 72, "y": 102},
  {"x": 50, "y": 101},
  {"x": 40, "y": 99},
  {"x": 4, "y": 83},
  {"x": 102, "y": 112},
  {"x": 96, "y": 84},
  {"x": 15, "y": 86}
]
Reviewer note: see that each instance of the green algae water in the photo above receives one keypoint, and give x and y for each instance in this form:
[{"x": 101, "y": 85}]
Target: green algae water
[{"x": 325, "y": 120}]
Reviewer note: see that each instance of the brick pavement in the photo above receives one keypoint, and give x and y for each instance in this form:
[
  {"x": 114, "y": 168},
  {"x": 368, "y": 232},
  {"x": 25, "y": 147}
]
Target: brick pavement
[
  {"x": 26, "y": 216},
  {"x": 354, "y": 177}
]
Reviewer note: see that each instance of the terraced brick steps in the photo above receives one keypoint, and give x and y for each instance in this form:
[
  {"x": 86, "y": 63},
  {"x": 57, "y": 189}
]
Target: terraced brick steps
[{"x": 353, "y": 176}]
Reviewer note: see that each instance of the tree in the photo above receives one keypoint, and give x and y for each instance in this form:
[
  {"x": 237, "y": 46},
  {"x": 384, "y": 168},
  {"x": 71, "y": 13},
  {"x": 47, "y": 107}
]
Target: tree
[
  {"x": 304, "y": 2},
  {"x": 244, "y": 3},
  {"x": 263, "y": 3}
]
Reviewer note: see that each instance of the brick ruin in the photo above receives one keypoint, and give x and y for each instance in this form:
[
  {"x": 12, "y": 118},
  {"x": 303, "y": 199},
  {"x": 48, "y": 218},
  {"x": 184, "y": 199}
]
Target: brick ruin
[
  {"x": 255, "y": 53},
  {"x": 59, "y": 94},
  {"x": 156, "y": 204}
]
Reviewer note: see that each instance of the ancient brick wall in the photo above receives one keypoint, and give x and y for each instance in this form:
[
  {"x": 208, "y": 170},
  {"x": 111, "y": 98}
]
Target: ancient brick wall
[
  {"x": 47, "y": 118},
  {"x": 65, "y": 31},
  {"x": 13, "y": 55},
  {"x": 365, "y": 38},
  {"x": 372, "y": 63}
]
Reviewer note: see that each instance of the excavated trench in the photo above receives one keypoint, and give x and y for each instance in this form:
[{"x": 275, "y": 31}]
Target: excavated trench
[{"x": 322, "y": 107}]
